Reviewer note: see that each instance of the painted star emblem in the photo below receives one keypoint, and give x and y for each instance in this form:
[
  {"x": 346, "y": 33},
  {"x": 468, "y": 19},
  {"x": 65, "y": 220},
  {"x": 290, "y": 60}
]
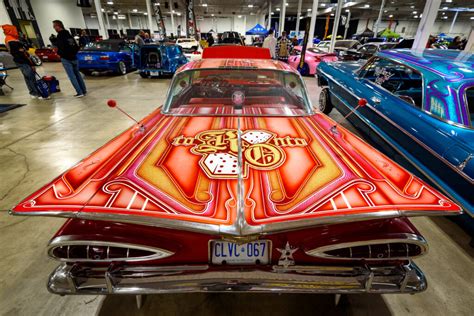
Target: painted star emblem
[{"x": 286, "y": 258}]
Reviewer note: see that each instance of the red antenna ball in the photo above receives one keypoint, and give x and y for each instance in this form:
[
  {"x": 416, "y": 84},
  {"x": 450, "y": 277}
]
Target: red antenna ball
[
  {"x": 362, "y": 102},
  {"x": 112, "y": 103}
]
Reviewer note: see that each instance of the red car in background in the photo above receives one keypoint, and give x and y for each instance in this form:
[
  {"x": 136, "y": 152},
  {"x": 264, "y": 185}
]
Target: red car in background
[
  {"x": 312, "y": 59},
  {"x": 48, "y": 54}
]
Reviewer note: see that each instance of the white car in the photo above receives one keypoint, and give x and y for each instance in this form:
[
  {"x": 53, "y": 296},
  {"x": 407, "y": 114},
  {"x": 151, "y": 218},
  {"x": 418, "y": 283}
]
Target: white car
[{"x": 191, "y": 48}]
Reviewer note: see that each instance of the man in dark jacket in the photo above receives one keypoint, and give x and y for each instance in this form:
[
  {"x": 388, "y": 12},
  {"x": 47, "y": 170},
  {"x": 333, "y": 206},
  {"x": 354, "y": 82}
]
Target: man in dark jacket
[
  {"x": 67, "y": 49},
  {"x": 21, "y": 59}
]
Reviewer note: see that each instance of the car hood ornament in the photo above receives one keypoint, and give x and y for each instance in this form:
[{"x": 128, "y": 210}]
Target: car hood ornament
[{"x": 286, "y": 258}]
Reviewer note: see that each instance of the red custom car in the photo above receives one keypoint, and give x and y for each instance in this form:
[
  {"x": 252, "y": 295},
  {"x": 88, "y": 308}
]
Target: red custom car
[
  {"x": 48, "y": 54},
  {"x": 236, "y": 184}
]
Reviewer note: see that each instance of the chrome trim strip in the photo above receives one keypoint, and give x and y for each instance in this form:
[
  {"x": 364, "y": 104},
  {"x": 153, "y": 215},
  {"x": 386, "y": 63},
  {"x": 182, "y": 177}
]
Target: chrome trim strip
[
  {"x": 68, "y": 241},
  {"x": 74, "y": 279},
  {"x": 320, "y": 252}
]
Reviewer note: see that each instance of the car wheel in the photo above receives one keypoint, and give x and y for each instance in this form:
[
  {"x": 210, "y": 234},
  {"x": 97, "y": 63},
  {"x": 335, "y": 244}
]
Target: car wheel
[
  {"x": 122, "y": 68},
  {"x": 36, "y": 60},
  {"x": 143, "y": 74},
  {"x": 325, "y": 104}
]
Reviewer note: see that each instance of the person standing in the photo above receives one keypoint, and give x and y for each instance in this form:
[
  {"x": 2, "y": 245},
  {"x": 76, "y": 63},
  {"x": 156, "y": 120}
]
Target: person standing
[
  {"x": 67, "y": 49},
  {"x": 84, "y": 39},
  {"x": 22, "y": 60},
  {"x": 139, "y": 38},
  {"x": 270, "y": 42},
  {"x": 283, "y": 48}
]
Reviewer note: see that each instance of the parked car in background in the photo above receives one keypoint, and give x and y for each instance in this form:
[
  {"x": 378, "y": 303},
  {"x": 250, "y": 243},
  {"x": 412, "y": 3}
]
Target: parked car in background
[
  {"x": 312, "y": 59},
  {"x": 113, "y": 56},
  {"x": 236, "y": 184},
  {"x": 231, "y": 38},
  {"x": 160, "y": 59},
  {"x": 366, "y": 51},
  {"x": 48, "y": 54},
  {"x": 191, "y": 48},
  {"x": 420, "y": 109},
  {"x": 340, "y": 45}
]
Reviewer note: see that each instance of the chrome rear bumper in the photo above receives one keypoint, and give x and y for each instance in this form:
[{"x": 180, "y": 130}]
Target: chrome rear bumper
[{"x": 75, "y": 279}]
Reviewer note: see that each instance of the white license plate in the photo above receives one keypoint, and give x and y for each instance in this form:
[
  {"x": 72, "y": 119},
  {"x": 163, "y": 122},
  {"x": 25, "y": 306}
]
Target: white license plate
[
  {"x": 88, "y": 58},
  {"x": 254, "y": 252},
  {"x": 45, "y": 57},
  {"x": 154, "y": 73}
]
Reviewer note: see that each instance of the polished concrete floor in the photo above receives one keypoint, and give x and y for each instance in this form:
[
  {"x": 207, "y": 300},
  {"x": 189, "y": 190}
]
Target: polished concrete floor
[{"x": 44, "y": 138}]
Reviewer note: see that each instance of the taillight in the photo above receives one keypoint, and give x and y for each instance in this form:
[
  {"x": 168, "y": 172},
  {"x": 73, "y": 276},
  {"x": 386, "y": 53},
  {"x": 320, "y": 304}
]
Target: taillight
[
  {"x": 394, "y": 249},
  {"x": 104, "y": 57},
  {"x": 197, "y": 53},
  {"x": 97, "y": 251}
]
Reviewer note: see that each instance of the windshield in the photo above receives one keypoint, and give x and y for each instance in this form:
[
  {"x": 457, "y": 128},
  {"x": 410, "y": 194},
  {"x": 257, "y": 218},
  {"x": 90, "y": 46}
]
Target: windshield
[
  {"x": 470, "y": 103},
  {"x": 103, "y": 46},
  {"x": 186, "y": 41},
  {"x": 237, "y": 92},
  {"x": 345, "y": 44}
]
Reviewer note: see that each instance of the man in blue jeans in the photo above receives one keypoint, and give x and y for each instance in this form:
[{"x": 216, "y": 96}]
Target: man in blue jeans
[{"x": 67, "y": 49}]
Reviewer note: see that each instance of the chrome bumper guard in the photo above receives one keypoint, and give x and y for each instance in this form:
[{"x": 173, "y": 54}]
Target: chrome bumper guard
[{"x": 76, "y": 279}]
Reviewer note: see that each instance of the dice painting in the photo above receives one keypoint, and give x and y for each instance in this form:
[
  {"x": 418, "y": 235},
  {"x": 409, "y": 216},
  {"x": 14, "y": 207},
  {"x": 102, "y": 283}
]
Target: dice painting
[{"x": 256, "y": 137}]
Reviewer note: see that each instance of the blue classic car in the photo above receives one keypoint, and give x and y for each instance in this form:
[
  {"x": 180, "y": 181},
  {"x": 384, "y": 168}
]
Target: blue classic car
[
  {"x": 420, "y": 111},
  {"x": 115, "y": 56},
  {"x": 160, "y": 59}
]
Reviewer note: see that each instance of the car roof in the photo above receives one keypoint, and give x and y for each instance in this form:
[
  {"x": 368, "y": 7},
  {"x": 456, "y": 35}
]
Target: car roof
[
  {"x": 215, "y": 63},
  {"x": 444, "y": 63}
]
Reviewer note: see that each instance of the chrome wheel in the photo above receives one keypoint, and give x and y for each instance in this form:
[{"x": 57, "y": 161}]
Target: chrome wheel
[
  {"x": 122, "y": 68},
  {"x": 325, "y": 105}
]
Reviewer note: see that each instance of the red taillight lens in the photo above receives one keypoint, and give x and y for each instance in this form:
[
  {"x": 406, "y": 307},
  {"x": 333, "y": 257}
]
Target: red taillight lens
[
  {"x": 371, "y": 251},
  {"x": 104, "y": 251},
  {"x": 197, "y": 53},
  {"x": 104, "y": 57}
]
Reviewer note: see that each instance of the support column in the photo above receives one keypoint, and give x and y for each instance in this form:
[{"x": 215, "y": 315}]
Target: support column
[
  {"x": 298, "y": 15},
  {"x": 100, "y": 17},
  {"x": 173, "y": 29},
  {"x": 312, "y": 23},
  {"x": 470, "y": 42},
  {"x": 426, "y": 24},
  {"x": 379, "y": 19},
  {"x": 245, "y": 25},
  {"x": 149, "y": 12},
  {"x": 269, "y": 14},
  {"x": 282, "y": 16},
  {"x": 107, "y": 20},
  {"x": 129, "y": 16},
  {"x": 454, "y": 21},
  {"x": 347, "y": 24},
  {"x": 335, "y": 26}
]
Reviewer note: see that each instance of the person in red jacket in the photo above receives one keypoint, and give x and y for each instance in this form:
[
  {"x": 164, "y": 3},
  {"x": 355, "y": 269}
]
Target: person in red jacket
[{"x": 21, "y": 59}]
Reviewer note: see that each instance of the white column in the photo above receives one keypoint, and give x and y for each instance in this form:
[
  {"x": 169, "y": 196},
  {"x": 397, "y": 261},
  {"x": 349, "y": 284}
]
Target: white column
[
  {"x": 107, "y": 20},
  {"x": 245, "y": 25},
  {"x": 347, "y": 24},
  {"x": 426, "y": 24},
  {"x": 150, "y": 17},
  {"x": 335, "y": 26},
  {"x": 312, "y": 23},
  {"x": 173, "y": 29},
  {"x": 470, "y": 42},
  {"x": 379, "y": 19},
  {"x": 269, "y": 14},
  {"x": 100, "y": 17},
  {"x": 282, "y": 16},
  {"x": 298, "y": 15},
  {"x": 454, "y": 21},
  {"x": 129, "y": 16}
]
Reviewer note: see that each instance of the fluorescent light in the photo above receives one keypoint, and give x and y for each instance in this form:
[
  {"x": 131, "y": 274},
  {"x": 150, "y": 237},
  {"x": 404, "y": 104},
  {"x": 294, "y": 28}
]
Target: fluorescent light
[
  {"x": 366, "y": 5},
  {"x": 347, "y": 10},
  {"x": 323, "y": 4},
  {"x": 273, "y": 13},
  {"x": 135, "y": 10},
  {"x": 472, "y": 17},
  {"x": 332, "y": 14},
  {"x": 212, "y": 14},
  {"x": 444, "y": 8},
  {"x": 144, "y": 13},
  {"x": 309, "y": 10},
  {"x": 178, "y": 14},
  {"x": 204, "y": 4},
  {"x": 449, "y": 1},
  {"x": 412, "y": 7},
  {"x": 157, "y": 3},
  {"x": 414, "y": 12},
  {"x": 250, "y": 6},
  {"x": 239, "y": 16},
  {"x": 110, "y": 2},
  {"x": 115, "y": 12},
  {"x": 385, "y": 11},
  {"x": 173, "y": 11},
  {"x": 102, "y": 10},
  {"x": 390, "y": 16},
  {"x": 286, "y": 4},
  {"x": 444, "y": 17},
  {"x": 416, "y": 16},
  {"x": 278, "y": 9}
]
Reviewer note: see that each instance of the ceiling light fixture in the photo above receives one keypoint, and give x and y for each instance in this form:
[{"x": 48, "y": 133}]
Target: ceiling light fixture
[
  {"x": 278, "y": 9},
  {"x": 144, "y": 13},
  {"x": 323, "y": 4},
  {"x": 332, "y": 14},
  {"x": 414, "y": 12},
  {"x": 239, "y": 16},
  {"x": 204, "y": 4},
  {"x": 110, "y": 2},
  {"x": 135, "y": 10},
  {"x": 309, "y": 10},
  {"x": 250, "y": 6},
  {"x": 366, "y": 5},
  {"x": 416, "y": 16},
  {"x": 390, "y": 16}
]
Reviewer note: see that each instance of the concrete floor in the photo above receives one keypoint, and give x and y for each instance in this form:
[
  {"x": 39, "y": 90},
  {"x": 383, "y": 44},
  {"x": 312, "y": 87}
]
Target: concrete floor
[{"x": 44, "y": 138}]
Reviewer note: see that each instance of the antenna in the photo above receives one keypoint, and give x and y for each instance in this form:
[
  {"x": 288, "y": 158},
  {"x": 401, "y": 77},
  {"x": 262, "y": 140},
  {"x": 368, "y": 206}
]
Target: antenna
[
  {"x": 361, "y": 103},
  {"x": 113, "y": 104}
]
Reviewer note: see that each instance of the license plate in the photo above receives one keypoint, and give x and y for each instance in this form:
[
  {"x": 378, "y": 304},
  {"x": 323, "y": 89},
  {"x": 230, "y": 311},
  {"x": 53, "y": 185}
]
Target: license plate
[
  {"x": 254, "y": 252},
  {"x": 88, "y": 58},
  {"x": 154, "y": 73},
  {"x": 45, "y": 57}
]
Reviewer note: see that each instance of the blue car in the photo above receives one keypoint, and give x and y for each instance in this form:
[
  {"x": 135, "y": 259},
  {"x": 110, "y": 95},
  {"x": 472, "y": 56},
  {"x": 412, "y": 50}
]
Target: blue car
[
  {"x": 420, "y": 111},
  {"x": 160, "y": 59},
  {"x": 114, "y": 56}
]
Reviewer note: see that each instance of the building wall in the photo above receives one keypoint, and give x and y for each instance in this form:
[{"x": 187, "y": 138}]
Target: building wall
[
  {"x": 4, "y": 19},
  {"x": 47, "y": 11}
]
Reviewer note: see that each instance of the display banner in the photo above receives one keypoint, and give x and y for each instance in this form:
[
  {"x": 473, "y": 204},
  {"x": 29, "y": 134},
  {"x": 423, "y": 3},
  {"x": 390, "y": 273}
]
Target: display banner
[
  {"x": 160, "y": 22},
  {"x": 190, "y": 20},
  {"x": 305, "y": 44}
]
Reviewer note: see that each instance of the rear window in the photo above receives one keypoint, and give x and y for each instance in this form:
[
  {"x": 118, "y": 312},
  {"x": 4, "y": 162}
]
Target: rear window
[
  {"x": 103, "y": 47},
  {"x": 470, "y": 104},
  {"x": 244, "y": 92}
]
